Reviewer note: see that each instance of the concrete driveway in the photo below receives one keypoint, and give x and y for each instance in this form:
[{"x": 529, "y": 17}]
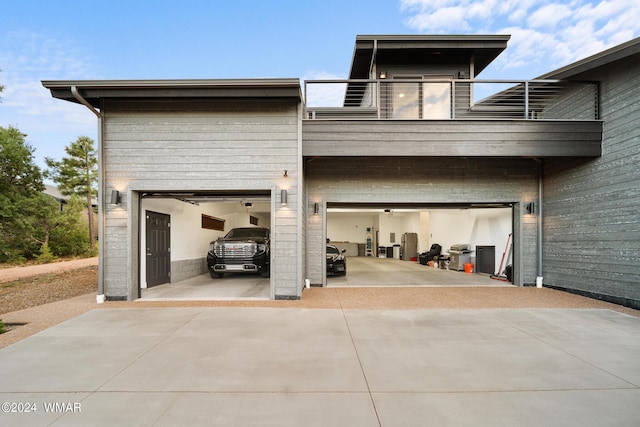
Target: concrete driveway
[{"x": 327, "y": 367}]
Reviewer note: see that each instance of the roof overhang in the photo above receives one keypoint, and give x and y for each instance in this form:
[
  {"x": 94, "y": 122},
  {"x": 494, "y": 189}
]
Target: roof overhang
[
  {"x": 93, "y": 91},
  {"x": 482, "y": 49}
]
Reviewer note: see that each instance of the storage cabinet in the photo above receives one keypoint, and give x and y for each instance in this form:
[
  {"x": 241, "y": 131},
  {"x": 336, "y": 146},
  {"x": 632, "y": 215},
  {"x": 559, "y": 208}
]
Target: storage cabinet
[{"x": 485, "y": 259}]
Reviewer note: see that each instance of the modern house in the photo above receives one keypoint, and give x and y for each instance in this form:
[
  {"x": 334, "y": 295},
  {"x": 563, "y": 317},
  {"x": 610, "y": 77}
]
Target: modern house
[
  {"x": 51, "y": 190},
  {"x": 412, "y": 129}
]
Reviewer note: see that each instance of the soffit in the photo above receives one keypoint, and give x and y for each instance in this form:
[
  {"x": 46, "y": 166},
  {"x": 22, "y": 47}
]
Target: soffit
[
  {"x": 95, "y": 90},
  {"x": 425, "y": 50}
]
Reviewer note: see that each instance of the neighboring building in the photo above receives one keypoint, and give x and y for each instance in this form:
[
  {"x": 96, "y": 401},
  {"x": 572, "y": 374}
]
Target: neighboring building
[
  {"x": 413, "y": 129},
  {"x": 52, "y": 190}
]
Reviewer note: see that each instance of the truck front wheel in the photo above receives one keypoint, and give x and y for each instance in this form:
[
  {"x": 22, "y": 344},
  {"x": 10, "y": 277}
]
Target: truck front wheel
[{"x": 216, "y": 275}]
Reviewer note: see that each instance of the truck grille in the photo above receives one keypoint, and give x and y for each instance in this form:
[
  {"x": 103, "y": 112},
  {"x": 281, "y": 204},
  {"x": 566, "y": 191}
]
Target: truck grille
[{"x": 235, "y": 250}]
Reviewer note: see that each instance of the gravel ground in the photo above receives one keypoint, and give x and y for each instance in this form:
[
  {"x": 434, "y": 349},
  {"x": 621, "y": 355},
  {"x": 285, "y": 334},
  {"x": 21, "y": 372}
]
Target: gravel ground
[
  {"x": 47, "y": 299},
  {"x": 45, "y": 288},
  {"x": 14, "y": 273}
]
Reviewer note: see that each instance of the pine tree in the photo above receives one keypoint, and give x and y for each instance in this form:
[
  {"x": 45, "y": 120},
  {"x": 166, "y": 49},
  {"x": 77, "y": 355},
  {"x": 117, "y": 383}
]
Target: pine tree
[{"x": 77, "y": 173}]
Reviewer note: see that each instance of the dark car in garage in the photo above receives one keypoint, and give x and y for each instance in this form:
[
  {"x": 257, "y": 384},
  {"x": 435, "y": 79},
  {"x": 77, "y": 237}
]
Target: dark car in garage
[{"x": 336, "y": 261}]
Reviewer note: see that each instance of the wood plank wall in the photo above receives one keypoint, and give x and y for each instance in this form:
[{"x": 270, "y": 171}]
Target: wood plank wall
[
  {"x": 592, "y": 221},
  {"x": 445, "y": 138},
  {"x": 172, "y": 146}
]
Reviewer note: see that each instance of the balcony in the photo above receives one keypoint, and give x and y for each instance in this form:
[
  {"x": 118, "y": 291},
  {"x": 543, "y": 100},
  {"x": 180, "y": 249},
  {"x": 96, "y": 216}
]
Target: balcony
[
  {"x": 451, "y": 118},
  {"x": 402, "y": 99}
]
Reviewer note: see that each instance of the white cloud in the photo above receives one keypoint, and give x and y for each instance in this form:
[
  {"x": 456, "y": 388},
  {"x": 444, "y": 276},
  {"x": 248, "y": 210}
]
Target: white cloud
[
  {"x": 440, "y": 20},
  {"x": 549, "y": 15},
  {"x": 545, "y": 34}
]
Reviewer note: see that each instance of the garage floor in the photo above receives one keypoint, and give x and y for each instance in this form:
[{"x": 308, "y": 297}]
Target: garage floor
[
  {"x": 361, "y": 272},
  {"x": 204, "y": 288},
  {"x": 370, "y": 271}
]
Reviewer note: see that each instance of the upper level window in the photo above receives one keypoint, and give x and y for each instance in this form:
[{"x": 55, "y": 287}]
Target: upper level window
[{"x": 423, "y": 97}]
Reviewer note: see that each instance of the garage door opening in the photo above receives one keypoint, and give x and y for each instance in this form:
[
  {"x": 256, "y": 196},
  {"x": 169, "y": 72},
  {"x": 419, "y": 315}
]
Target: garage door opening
[
  {"x": 394, "y": 244},
  {"x": 188, "y": 223}
]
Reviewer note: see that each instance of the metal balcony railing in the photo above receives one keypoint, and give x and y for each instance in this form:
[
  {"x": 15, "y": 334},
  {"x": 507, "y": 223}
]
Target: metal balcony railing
[{"x": 450, "y": 99}]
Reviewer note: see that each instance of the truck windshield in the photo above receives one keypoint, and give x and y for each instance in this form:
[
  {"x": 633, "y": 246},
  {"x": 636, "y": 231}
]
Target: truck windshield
[{"x": 248, "y": 233}]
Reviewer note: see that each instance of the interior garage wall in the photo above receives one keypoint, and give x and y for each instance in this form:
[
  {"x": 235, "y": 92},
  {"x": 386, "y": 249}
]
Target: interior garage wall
[
  {"x": 351, "y": 229},
  {"x": 196, "y": 145},
  {"x": 189, "y": 242},
  {"x": 591, "y": 223},
  {"x": 485, "y": 227},
  {"x": 427, "y": 180}
]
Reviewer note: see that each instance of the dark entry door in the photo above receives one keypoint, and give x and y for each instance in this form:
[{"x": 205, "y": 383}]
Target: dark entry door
[{"x": 158, "y": 252}]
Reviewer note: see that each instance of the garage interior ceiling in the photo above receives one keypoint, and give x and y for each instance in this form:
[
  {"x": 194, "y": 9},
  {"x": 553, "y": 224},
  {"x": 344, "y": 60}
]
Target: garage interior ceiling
[
  {"x": 407, "y": 207},
  {"x": 258, "y": 200}
]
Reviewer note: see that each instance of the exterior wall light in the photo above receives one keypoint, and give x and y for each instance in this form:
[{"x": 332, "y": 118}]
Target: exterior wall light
[
  {"x": 316, "y": 208},
  {"x": 383, "y": 75},
  {"x": 115, "y": 197},
  {"x": 283, "y": 197},
  {"x": 530, "y": 208}
]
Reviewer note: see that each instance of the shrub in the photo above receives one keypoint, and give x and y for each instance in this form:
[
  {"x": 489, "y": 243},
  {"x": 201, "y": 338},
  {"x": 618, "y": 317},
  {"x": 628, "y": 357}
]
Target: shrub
[{"x": 45, "y": 255}]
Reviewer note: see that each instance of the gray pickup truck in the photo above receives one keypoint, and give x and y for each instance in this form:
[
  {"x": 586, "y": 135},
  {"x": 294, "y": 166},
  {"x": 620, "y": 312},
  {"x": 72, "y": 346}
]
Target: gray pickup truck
[{"x": 242, "y": 250}]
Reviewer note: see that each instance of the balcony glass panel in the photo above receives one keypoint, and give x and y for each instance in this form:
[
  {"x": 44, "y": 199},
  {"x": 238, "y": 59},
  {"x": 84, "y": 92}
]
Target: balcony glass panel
[
  {"x": 436, "y": 100},
  {"x": 405, "y": 101}
]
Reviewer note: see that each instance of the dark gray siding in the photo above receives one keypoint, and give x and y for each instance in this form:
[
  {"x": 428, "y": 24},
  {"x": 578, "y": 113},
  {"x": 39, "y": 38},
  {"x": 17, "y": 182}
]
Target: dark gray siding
[
  {"x": 173, "y": 146},
  {"x": 575, "y": 102},
  {"x": 591, "y": 224},
  {"x": 425, "y": 180},
  {"x": 481, "y": 138}
]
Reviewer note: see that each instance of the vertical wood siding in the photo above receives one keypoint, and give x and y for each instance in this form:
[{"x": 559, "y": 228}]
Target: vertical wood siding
[
  {"x": 424, "y": 180},
  {"x": 239, "y": 145},
  {"x": 592, "y": 226}
]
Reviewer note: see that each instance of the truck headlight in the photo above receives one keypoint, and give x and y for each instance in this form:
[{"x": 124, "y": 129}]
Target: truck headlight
[{"x": 213, "y": 246}]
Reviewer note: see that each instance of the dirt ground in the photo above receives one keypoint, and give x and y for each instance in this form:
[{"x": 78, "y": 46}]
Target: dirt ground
[{"x": 45, "y": 288}]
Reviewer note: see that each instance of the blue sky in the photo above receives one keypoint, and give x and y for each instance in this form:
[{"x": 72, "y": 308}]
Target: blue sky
[{"x": 180, "y": 39}]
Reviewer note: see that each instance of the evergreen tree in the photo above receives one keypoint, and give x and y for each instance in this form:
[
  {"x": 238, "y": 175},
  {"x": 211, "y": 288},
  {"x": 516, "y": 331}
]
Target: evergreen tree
[
  {"x": 20, "y": 181},
  {"x": 77, "y": 173}
]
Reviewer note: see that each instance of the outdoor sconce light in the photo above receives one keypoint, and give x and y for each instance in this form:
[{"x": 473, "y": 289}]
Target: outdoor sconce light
[
  {"x": 283, "y": 197},
  {"x": 316, "y": 208},
  {"x": 286, "y": 174},
  {"x": 383, "y": 74},
  {"x": 115, "y": 197},
  {"x": 530, "y": 208}
]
